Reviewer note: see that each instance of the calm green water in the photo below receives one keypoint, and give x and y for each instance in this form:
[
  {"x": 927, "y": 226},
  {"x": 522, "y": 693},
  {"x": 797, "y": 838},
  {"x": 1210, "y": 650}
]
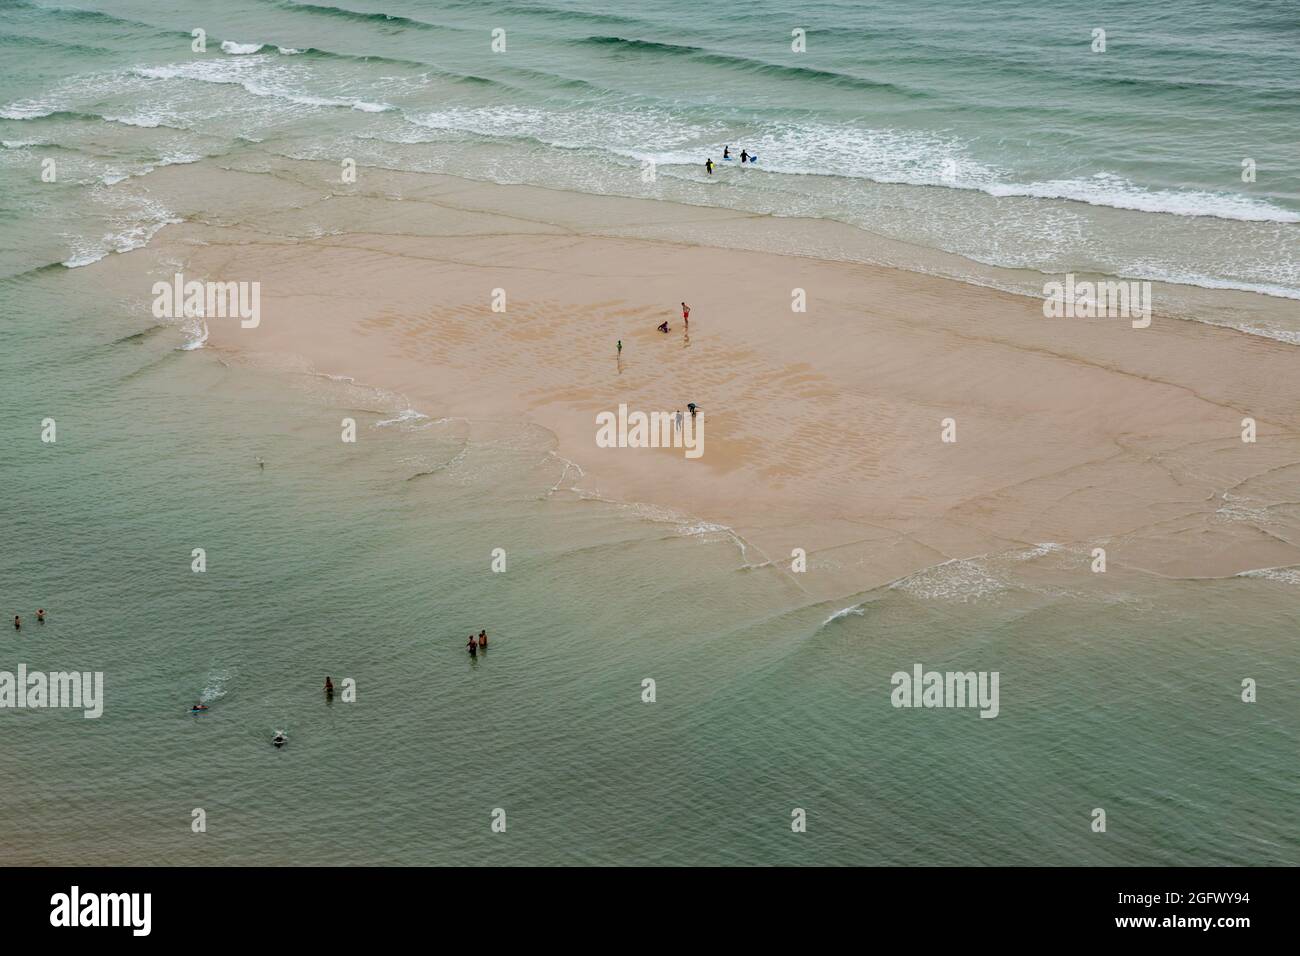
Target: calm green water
[{"x": 371, "y": 561}]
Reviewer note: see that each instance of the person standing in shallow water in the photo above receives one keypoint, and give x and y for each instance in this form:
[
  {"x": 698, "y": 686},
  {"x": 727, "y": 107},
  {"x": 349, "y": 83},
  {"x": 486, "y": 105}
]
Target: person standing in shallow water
[
  {"x": 708, "y": 165},
  {"x": 18, "y": 623},
  {"x": 482, "y": 640},
  {"x": 40, "y": 615},
  {"x": 472, "y": 646}
]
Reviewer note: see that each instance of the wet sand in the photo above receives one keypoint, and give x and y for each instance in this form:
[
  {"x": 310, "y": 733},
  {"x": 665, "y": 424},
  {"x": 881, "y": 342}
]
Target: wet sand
[{"x": 823, "y": 428}]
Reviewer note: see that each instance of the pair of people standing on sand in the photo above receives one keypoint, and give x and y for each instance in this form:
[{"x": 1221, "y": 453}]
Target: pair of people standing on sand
[{"x": 663, "y": 326}]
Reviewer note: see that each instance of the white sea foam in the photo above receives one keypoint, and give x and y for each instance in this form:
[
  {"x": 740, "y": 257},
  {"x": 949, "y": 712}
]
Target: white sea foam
[
  {"x": 959, "y": 579},
  {"x": 569, "y": 466},
  {"x": 404, "y": 417},
  {"x": 141, "y": 221},
  {"x": 215, "y": 687},
  {"x": 255, "y": 76},
  {"x": 856, "y": 610},
  {"x": 909, "y": 157},
  {"x": 1280, "y": 575},
  {"x": 199, "y": 337},
  {"x": 239, "y": 49},
  {"x": 142, "y": 120},
  {"x": 1235, "y": 508},
  {"x": 113, "y": 175},
  {"x": 84, "y": 257},
  {"x": 25, "y": 110},
  {"x": 1107, "y": 189},
  {"x": 1038, "y": 550}
]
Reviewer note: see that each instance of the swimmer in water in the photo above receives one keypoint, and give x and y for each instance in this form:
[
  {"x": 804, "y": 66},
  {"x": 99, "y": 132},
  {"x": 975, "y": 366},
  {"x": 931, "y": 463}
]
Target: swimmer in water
[
  {"x": 482, "y": 640},
  {"x": 18, "y": 623},
  {"x": 260, "y": 464},
  {"x": 198, "y": 707},
  {"x": 279, "y": 739},
  {"x": 40, "y": 615},
  {"x": 329, "y": 687},
  {"x": 472, "y": 646}
]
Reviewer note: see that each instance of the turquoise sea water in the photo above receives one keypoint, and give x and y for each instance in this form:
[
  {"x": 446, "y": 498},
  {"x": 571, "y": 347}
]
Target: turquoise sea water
[
  {"x": 987, "y": 129},
  {"x": 1118, "y": 691}
]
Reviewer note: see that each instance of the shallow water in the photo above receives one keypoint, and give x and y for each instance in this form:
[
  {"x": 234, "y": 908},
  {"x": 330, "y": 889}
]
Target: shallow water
[
  {"x": 988, "y": 130},
  {"x": 372, "y": 562}
]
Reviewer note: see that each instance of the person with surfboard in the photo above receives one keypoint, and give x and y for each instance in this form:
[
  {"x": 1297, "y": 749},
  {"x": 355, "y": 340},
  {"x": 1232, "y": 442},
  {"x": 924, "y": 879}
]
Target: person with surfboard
[
  {"x": 708, "y": 165},
  {"x": 726, "y": 152}
]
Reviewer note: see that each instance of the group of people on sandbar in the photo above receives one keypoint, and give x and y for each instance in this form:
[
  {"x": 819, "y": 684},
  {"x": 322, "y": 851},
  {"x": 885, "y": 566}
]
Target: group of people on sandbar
[{"x": 686, "y": 321}]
